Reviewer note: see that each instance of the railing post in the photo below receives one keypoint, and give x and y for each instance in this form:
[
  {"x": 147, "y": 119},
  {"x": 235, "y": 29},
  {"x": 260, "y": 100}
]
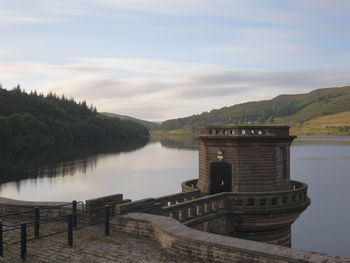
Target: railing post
[
  {"x": 74, "y": 212},
  {"x": 1, "y": 240},
  {"x": 23, "y": 241},
  {"x": 70, "y": 229},
  {"x": 36, "y": 223},
  {"x": 107, "y": 212}
]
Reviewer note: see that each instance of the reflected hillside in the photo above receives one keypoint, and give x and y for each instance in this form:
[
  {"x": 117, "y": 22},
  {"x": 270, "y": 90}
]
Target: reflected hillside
[
  {"x": 177, "y": 142},
  {"x": 52, "y": 162}
]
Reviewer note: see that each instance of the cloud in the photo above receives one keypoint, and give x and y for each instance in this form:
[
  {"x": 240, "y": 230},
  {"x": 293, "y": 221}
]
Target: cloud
[
  {"x": 22, "y": 19},
  {"x": 4, "y": 53},
  {"x": 158, "y": 90},
  {"x": 251, "y": 10},
  {"x": 252, "y": 44}
]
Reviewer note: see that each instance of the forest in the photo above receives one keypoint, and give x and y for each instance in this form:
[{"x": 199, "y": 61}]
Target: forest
[{"x": 32, "y": 121}]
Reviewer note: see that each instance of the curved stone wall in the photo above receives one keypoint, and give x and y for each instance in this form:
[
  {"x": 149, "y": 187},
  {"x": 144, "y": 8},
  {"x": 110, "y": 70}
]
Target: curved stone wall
[{"x": 181, "y": 240}]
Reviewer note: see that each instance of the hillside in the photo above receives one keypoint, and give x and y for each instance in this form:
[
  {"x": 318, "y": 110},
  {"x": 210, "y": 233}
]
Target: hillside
[
  {"x": 34, "y": 121},
  {"x": 148, "y": 124},
  {"x": 338, "y": 123},
  {"x": 295, "y": 110}
]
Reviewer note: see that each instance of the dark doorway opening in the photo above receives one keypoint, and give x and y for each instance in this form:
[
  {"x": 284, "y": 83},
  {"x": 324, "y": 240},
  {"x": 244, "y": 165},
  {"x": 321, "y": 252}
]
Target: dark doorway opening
[{"x": 220, "y": 178}]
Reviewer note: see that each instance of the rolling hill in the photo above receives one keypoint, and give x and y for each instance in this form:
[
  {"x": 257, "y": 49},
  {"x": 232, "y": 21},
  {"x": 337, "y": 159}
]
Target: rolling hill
[
  {"x": 148, "y": 124},
  {"x": 300, "y": 111}
]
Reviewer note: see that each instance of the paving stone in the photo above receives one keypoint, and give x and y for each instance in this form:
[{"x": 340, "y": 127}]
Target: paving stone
[{"x": 90, "y": 246}]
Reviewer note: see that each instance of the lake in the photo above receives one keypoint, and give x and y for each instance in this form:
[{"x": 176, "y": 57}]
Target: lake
[{"x": 141, "y": 170}]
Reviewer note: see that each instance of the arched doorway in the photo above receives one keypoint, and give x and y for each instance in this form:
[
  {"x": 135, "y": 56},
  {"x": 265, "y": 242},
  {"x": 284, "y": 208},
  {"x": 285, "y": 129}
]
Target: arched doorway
[{"x": 220, "y": 177}]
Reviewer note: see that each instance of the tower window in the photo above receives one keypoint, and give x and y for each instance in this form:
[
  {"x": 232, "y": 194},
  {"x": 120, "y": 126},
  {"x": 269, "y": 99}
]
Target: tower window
[{"x": 282, "y": 168}]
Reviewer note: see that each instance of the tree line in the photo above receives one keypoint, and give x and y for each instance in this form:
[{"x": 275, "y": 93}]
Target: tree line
[{"x": 34, "y": 121}]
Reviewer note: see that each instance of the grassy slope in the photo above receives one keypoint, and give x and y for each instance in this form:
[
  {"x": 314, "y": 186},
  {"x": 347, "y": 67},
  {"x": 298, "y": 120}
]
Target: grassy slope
[
  {"x": 338, "y": 123},
  {"x": 321, "y": 102},
  {"x": 297, "y": 111}
]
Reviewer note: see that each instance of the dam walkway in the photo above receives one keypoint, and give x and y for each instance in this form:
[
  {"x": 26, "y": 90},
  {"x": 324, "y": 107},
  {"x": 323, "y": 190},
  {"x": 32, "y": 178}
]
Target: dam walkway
[{"x": 90, "y": 245}]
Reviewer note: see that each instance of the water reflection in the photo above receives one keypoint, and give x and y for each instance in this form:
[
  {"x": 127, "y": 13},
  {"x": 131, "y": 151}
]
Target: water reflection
[
  {"x": 152, "y": 170},
  {"x": 178, "y": 142},
  {"x": 53, "y": 162}
]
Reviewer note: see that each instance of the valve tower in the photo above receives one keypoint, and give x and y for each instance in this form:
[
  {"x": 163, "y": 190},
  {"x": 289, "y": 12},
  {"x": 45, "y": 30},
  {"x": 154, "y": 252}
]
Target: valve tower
[{"x": 252, "y": 165}]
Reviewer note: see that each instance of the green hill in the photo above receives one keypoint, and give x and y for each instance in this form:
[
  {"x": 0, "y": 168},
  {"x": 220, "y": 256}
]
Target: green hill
[
  {"x": 34, "y": 121},
  {"x": 148, "y": 124},
  {"x": 293, "y": 110}
]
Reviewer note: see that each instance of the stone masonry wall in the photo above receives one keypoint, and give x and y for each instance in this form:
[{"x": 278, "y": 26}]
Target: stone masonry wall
[
  {"x": 255, "y": 164},
  {"x": 183, "y": 241},
  {"x": 10, "y": 206}
]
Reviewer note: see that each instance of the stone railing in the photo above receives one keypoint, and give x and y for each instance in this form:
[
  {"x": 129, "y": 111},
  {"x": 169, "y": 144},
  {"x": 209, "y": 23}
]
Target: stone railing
[
  {"x": 177, "y": 198},
  {"x": 155, "y": 205},
  {"x": 190, "y": 205},
  {"x": 189, "y": 185},
  {"x": 240, "y": 201},
  {"x": 196, "y": 208},
  {"x": 244, "y": 131},
  {"x": 275, "y": 200}
]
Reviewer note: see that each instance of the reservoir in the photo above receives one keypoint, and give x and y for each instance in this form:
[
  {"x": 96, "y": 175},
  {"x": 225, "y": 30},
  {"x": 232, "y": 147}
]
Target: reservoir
[{"x": 157, "y": 168}]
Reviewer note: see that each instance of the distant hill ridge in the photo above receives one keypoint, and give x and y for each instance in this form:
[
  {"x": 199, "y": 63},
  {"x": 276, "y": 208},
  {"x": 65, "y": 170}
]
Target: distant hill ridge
[
  {"x": 148, "y": 124},
  {"x": 293, "y": 110}
]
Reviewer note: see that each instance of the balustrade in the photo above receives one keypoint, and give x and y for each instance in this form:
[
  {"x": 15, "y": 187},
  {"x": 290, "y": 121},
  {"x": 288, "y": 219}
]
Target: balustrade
[
  {"x": 178, "y": 198},
  {"x": 245, "y": 131},
  {"x": 241, "y": 200}
]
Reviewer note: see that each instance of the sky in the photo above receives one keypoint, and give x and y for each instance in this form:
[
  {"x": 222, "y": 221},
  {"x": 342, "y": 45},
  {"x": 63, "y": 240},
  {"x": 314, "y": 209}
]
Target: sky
[{"x": 163, "y": 59}]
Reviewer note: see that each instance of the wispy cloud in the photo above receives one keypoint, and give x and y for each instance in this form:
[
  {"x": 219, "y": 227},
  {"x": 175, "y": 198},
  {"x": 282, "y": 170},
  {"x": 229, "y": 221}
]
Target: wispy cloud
[
  {"x": 20, "y": 19},
  {"x": 251, "y": 10},
  {"x": 274, "y": 45},
  {"x": 158, "y": 90}
]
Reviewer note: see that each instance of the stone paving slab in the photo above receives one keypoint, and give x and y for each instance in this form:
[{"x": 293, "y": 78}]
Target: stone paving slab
[{"x": 90, "y": 245}]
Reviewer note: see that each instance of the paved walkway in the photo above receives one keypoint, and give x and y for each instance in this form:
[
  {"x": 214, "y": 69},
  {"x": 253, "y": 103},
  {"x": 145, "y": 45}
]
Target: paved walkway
[{"x": 90, "y": 245}]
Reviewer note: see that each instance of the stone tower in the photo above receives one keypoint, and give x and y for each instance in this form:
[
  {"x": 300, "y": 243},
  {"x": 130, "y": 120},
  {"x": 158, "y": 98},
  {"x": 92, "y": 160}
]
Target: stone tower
[
  {"x": 248, "y": 169},
  {"x": 244, "y": 159}
]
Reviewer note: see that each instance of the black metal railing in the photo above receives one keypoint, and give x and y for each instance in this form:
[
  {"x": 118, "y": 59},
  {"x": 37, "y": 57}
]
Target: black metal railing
[
  {"x": 71, "y": 221},
  {"x": 36, "y": 210}
]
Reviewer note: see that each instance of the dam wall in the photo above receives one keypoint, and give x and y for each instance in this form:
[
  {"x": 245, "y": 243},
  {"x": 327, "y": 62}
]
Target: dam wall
[{"x": 184, "y": 241}]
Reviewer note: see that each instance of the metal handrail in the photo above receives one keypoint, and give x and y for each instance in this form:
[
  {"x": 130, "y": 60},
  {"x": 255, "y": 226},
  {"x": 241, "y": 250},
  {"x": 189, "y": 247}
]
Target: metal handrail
[{"x": 37, "y": 223}]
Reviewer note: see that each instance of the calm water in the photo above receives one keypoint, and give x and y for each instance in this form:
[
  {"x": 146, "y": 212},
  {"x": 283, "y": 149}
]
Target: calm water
[{"x": 157, "y": 169}]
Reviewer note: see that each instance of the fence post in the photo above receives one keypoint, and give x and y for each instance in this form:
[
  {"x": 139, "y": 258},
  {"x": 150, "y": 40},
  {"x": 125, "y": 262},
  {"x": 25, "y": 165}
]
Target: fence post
[
  {"x": 1, "y": 240},
  {"x": 107, "y": 212},
  {"x": 74, "y": 212},
  {"x": 23, "y": 241},
  {"x": 70, "y": 229},
  {"x": 36, "y": 223}
]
